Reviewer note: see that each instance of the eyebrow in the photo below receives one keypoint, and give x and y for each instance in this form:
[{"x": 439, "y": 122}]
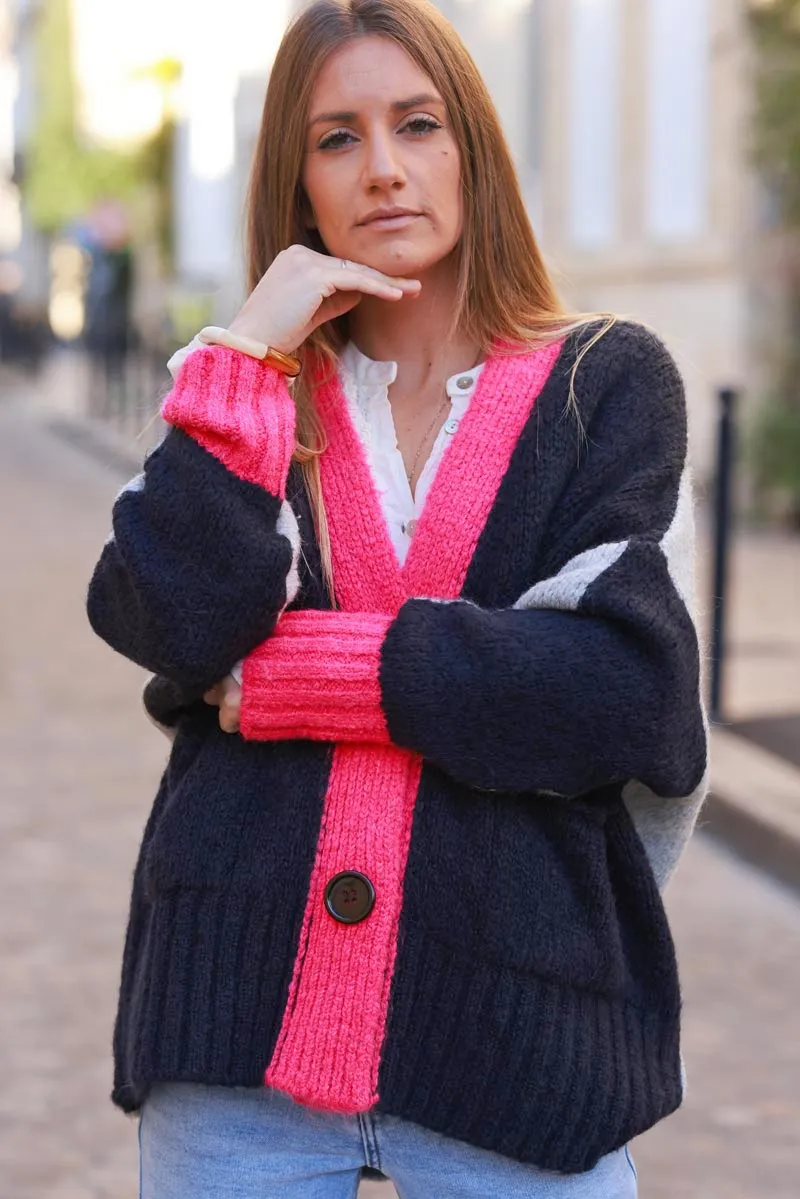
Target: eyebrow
[{"x": 325, "y": 118}]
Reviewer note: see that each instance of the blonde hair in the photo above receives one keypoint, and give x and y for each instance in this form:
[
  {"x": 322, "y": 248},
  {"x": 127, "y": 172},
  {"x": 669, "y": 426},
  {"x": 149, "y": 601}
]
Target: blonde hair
[{"x": 504, "y": 290}]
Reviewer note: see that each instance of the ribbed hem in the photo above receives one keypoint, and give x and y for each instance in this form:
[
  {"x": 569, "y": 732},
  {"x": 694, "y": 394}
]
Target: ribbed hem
[
  {"x": 520, "y": 1065},
  {"x": 240, "y": 410},
  {"x": 316, "y": 678},
  {"x": 512, "y": 1063},
  {"x": 204, "y": 1000}
]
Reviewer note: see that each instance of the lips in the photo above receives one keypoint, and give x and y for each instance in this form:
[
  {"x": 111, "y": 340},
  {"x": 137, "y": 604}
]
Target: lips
[{"x": 390, "y": 216}]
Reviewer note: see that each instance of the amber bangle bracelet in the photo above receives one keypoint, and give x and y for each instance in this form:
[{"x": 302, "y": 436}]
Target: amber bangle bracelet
[{"x": 213, "y": 335}]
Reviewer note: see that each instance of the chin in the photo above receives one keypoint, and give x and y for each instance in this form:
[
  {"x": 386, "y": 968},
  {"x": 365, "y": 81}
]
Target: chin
[{"x": 402, "y": 258}]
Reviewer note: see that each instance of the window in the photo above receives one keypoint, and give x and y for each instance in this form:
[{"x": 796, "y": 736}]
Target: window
[
  {"x": 677, "y": 126},
  {"x": 594, "y": 122}
]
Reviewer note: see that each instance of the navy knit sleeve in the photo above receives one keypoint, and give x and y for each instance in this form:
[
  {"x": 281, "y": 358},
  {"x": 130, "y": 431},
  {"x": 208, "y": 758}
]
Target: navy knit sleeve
[
  {"x": 592, "y": 677},
  {"x": 198, "y": 568}
]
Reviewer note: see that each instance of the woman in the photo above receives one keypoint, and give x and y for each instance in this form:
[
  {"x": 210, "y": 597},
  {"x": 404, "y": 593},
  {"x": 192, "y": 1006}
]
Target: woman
[{"x": 420, "y": 625}]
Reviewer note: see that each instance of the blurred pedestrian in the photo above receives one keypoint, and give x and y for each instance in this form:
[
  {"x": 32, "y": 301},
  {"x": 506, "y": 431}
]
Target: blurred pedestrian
[
  {"x": 109, "y": 292},
  {"x": 24, "y": 329},
  {"x": 412, "y": 571}
]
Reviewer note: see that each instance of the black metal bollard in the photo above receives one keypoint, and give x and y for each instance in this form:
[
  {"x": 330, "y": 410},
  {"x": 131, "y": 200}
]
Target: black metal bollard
[{"x": 726, "y": 449}]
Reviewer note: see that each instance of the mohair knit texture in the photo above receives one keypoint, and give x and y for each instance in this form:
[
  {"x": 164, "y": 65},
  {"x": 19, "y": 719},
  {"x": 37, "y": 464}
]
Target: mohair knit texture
[
  {"x": 317, "y": 677},
  {"x": 505, "y": 735}
]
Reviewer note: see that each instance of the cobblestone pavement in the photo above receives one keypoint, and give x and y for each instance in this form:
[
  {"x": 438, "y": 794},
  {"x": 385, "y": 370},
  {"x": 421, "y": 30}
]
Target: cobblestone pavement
[{"x": 78, "y": 764}]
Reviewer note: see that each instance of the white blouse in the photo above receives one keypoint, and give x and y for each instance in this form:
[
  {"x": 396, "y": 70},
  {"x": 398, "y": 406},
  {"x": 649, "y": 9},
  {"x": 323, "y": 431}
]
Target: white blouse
[{"x": 366, "y": 387}]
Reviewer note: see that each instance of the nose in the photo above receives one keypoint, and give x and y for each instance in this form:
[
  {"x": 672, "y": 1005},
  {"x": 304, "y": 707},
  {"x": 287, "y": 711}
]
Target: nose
[{"x": 383, "y": 166}]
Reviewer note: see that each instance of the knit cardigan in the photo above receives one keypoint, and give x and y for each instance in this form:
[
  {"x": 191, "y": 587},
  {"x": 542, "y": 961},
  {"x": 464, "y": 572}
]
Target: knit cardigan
[{"x": 505, "y": 735}]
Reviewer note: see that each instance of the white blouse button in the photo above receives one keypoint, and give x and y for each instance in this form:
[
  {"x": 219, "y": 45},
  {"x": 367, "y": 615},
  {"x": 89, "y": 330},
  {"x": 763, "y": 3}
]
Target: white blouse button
[
  {"x": 451, "y": 425},
  {"x": 464, "y": 381},
  {"x": 410, "y": 528}
]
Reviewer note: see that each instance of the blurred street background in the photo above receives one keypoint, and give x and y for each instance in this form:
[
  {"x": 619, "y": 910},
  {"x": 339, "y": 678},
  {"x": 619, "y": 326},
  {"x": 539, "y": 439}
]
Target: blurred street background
[{"x": 658, "y": 143}]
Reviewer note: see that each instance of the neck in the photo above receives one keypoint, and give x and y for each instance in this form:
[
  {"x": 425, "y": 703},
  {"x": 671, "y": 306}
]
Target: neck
[{"x": 414, "y": 333}]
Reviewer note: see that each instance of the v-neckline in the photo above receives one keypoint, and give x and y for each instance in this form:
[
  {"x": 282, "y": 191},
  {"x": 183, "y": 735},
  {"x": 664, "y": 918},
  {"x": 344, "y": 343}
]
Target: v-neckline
[
  {"x": 375, "y": 419},
  {"x": 367, "y": 573}
]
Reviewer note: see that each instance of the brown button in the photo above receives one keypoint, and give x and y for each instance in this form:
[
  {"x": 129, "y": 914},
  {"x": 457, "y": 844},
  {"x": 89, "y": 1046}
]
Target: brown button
[{"x": 349, "y": 896}]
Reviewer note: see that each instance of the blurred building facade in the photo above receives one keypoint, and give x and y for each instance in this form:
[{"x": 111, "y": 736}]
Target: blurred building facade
[
  {"x": 24, "y": 251},
  {"x": 9, "y": 203},
  {"x": 649, "y": 205},
  {"x": 627, "y": 120}
]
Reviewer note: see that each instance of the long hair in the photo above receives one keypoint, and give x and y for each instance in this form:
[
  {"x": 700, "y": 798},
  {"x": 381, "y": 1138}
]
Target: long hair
[{"x": 504, "y": 291}]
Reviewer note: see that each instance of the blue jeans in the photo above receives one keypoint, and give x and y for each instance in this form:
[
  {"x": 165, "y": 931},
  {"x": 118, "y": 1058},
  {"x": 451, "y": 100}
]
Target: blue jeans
[{"x": 201, "y": 1142}]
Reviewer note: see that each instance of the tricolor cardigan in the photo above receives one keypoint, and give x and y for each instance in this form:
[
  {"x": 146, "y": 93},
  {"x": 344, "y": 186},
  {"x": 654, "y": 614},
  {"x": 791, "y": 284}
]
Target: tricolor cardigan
[{"x": 505, "y": 736}]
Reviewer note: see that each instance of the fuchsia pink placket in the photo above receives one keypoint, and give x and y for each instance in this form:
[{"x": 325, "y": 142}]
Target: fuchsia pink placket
[{"x": 329, "y": 1046}]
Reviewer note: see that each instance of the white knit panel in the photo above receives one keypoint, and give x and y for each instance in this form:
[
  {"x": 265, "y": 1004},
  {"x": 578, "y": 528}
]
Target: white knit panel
[
  {"x": 565, "y": 590},
  {"x": 664, "y": 824},
  {"x": 168, "y": 732},
  {"x": 677, "y": 544},
  {"x": 288, "y": 527},
  {"x": 135, "y": 484}
]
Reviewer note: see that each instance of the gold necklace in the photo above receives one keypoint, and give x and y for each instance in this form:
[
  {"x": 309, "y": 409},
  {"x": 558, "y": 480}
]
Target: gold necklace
[{"x": 439, "y": 410}]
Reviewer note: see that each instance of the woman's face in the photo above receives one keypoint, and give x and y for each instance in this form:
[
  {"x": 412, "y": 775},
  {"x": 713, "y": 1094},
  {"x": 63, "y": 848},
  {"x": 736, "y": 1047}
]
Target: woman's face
[{"x": 378, "y": 141}]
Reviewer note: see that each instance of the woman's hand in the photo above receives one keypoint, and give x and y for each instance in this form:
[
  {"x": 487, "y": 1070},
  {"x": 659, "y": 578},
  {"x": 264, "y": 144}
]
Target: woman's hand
[
  {"x": 302, "y": 289},
  {"x": 227, "y": 696}
]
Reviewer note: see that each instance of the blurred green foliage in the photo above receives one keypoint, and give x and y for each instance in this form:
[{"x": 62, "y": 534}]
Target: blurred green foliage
[
  {"x": 776, "y": 449},
  {"x": 775, "y": 444},
  {"x": 64, "y": 176},
  {"x": 776, "y": 31},
  {"x": 188, "y": 311}
]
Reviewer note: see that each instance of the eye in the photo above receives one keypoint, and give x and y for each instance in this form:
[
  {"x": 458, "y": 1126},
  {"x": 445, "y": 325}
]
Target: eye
[
  {"x": 335, "y": 139},
  {"x": 420, "y": 125}
]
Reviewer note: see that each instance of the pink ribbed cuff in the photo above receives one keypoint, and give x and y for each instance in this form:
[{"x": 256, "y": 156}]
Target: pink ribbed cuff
[
  {"x": 238, "y": 409},
  {"x": 316, "y": 677}
]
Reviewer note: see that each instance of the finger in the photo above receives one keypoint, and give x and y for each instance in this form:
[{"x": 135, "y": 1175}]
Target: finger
[
  {"x": 229, "y": 715},
  {"x": 212, "y": 696},
  {"x": 350, "y": 281},
  {"x": 227, "y": 722},
  {"x": 229, "y": 707},
  {"x": 231, "y": 697},
  {"x": 370, "y": 272},
  {"x": 325, "y": 261},
  {"x": 231, "y": 691},
  {"x": 373, "y": 270}
]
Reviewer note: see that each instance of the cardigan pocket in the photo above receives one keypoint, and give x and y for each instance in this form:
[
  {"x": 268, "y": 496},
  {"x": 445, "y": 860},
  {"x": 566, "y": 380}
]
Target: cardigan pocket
[
  {"x": 550, "y": 906},
  {"x": 237, "y": 815},
  {"x": 193, "y": 841}
]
